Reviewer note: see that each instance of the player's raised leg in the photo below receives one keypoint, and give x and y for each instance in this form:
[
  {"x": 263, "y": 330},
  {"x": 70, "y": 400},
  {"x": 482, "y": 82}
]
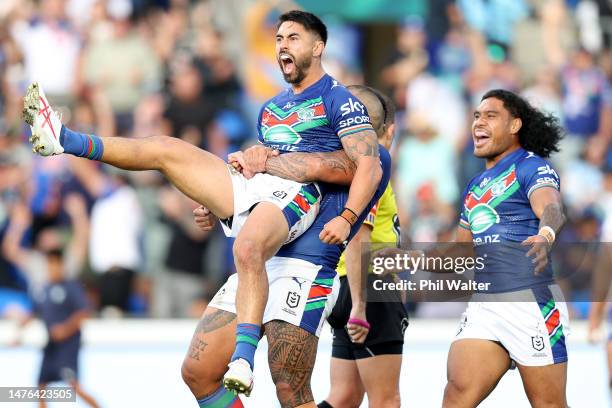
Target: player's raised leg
[
  {"x": 197, "y": 173},
  {"x": 474, "y": 368},
  {"x": 254, "y": 245},
  {"x": 545, "y": 385},
  {"x": 207, "y": 358}
]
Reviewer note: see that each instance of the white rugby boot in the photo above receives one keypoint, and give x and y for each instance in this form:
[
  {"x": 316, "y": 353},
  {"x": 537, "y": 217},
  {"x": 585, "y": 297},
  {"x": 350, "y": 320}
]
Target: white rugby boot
[
  {"x": 239, "y": 377},
  {"x": 45, "y": 123}
]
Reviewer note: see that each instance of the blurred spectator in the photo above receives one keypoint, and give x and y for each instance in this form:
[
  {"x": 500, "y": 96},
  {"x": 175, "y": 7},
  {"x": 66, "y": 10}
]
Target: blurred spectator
[
  {"x": 605, "y": 204},
  {"x": 188, "y": 113},
  {"x": 428, "y": 97},
  {"x": 262, "y": 78},
  {"x": 545, "y": 92},
  {"x": 494, "y": 18},
  {"x": 424, "y": 149},
  {"x": 115, "y": 250},
  {"x": 50, "y": 47},
  {"x": 453, "y": 59},
  {"x": 15, "y": 161},
  {"x": 33, "y": 262},
  {"x": 228, "y": 133},
  {"x": 407, "y": 60},
  {"x": 221, "y": 85},
  {"x": 491, "y": 70},
  {"x": 182, "y": 284},
  {"x": 124, "y": 67},
  {"x": 584, "y": 90},
  {"x": 59, "y": 298},
  {"x": 550, "y": 32},
  {"x": 62, "y": 306}
]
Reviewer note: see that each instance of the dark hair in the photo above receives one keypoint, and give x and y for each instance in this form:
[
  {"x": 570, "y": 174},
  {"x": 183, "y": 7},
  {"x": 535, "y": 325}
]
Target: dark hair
[
  {"x": 310, "y": 22},
  {"x": 540, "y": 132}
]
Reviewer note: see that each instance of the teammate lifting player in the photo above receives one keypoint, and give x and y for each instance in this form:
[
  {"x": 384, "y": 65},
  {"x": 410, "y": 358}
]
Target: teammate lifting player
[{"x": 331, "y": 120}]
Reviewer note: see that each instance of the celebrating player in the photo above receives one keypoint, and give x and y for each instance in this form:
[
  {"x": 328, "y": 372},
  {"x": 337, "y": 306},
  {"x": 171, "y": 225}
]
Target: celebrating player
[
  {"x": 516, "y": 199},
  {"x": 317, "y": 114},
  {"x": 513, "y": 209},
  {"x": 388, "y": 319}
]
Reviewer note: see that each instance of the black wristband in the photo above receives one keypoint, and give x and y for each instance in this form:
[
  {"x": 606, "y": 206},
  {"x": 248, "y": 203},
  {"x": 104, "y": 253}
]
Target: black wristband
[
  {"x": 354, "y": 213},
  {"x": 349, "y": 215}
]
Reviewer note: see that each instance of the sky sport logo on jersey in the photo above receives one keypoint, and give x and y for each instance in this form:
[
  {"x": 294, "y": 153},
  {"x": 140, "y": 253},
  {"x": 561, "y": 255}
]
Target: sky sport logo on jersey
[{"x": 352, "y": 106}]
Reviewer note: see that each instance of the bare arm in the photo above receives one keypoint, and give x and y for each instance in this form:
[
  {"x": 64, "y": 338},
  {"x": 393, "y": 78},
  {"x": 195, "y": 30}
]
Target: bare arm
[
  {"x": 332, "y": 167},
  {"x": 61, "y": 331},
  {"x": 356, "y": 276},
  {"x": 546, "y": 205},
  {"x": 77, "y": 210},
  {"x": 354, "y": 273},
  {"x": 362, "y": 149},
  {"x": 11, "y": 246}
]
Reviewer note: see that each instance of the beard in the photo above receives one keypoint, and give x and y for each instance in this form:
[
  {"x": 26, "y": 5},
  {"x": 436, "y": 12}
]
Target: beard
[{"x": 299, "y": 72}]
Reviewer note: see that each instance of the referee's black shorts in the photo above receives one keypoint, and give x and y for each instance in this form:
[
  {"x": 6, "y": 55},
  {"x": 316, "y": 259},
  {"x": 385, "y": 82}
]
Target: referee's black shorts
[{"x": 388, "y": 322}]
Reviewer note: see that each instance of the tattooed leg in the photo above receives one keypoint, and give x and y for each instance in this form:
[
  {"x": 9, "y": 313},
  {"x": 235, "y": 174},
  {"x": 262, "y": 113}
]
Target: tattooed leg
[
  {"x": 209, "y": 353},
  {"x": 291, "y": 356}
]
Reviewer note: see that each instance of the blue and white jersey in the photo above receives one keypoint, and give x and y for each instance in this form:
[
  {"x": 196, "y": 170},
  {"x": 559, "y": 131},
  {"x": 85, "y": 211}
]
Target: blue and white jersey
[
  {"x": 308, "y": 246},
  {"x": 312, "y": 121},
  {"x": 497, "y": 211}
]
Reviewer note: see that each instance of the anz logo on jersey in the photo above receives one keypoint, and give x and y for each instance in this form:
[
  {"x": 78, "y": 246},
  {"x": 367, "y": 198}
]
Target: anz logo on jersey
[{"x": 487, "y": 239}]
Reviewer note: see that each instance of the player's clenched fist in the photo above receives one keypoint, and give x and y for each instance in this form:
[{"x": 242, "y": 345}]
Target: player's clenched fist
[
  {"x": 336, "y": 231},
  {"x": 204, "y": 218},
  {"x": 255, "y": 158}
]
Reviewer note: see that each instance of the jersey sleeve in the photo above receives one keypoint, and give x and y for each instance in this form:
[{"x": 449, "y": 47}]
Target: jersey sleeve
[
  {"x": 348, "y": 114},
  {"x": 533, "y": 173},
  {"x": 259, "y": 124},
  {"x": 463, "y": 214}
]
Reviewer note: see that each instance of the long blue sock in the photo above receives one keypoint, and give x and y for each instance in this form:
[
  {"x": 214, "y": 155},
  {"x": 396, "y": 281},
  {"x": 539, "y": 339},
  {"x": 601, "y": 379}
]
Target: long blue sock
[
  {"x": 247, "y": 337},
  {"x": 221, "y": 398},
  {"x": 81, "y": 144}
]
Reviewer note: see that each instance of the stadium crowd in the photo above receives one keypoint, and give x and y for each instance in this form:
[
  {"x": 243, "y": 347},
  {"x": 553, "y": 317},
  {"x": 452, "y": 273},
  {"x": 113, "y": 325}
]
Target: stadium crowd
[{"x": 200, "y": 70}]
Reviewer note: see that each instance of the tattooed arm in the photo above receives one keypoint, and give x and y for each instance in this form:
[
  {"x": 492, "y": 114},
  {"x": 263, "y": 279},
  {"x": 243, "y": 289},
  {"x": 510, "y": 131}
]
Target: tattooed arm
[
  {"x": 546, "y": 205},
  {"x": 332, "y": 167},
  {"x": 362, "y": 149}
]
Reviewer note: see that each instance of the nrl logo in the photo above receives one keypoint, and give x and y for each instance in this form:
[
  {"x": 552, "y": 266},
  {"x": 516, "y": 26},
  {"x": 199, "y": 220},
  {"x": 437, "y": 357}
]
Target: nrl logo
[
  {"x": 289, "y": 105},
  {"x": 293, "y": 299},
  {"x": 537, "y": 343}
]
